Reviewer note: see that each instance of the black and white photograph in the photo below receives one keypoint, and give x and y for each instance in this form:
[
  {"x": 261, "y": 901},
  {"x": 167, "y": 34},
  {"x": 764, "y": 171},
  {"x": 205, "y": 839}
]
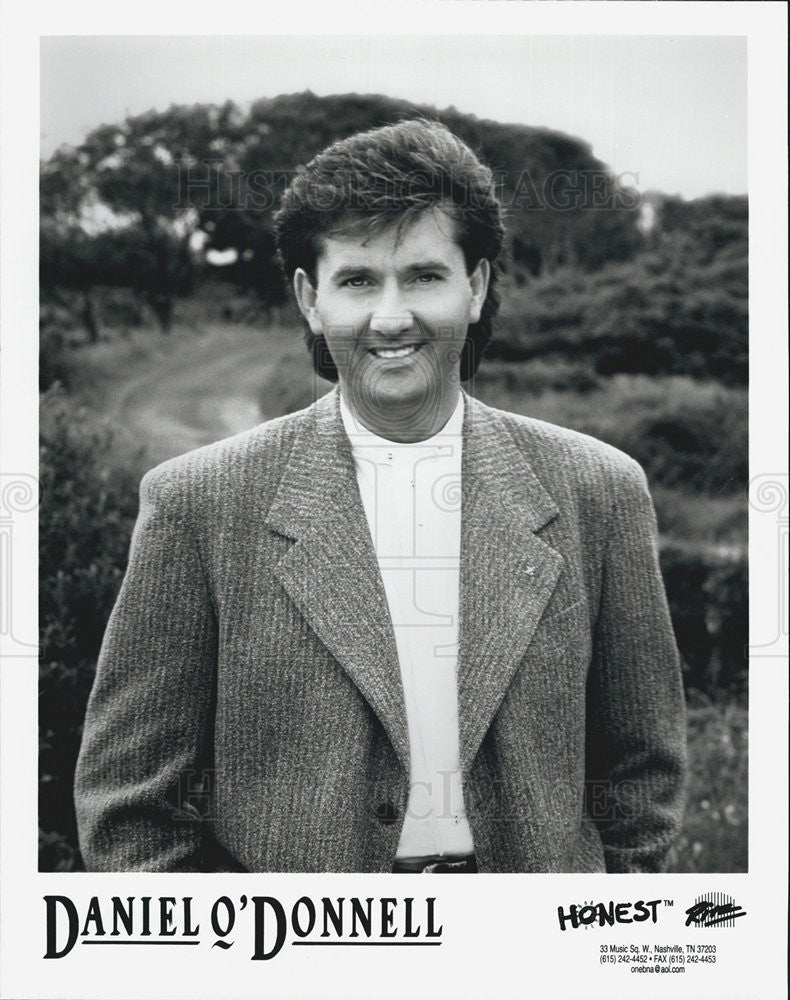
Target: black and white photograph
[
  {"x": 424, "y": 618},
  {"x": 397, "y": 505}
]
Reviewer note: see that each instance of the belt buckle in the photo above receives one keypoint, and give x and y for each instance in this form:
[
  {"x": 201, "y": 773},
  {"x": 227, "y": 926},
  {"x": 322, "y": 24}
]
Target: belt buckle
[{"x": 442, "y": 867}]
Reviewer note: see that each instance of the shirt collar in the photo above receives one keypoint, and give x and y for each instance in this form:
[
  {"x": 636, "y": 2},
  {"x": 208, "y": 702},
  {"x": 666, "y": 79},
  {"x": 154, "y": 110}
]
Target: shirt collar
[{"x": 360, "y": 436}]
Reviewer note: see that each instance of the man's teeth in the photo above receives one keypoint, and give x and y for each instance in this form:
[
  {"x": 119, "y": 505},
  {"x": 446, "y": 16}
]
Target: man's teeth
[{"x": 395, "y": 352}]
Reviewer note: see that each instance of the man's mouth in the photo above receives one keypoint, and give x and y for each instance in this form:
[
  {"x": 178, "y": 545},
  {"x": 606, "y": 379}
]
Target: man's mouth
[{"x": 395, "y": 352}]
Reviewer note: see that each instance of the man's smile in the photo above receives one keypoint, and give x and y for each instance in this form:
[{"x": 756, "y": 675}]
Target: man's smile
[{"x": 388, "y": 353}]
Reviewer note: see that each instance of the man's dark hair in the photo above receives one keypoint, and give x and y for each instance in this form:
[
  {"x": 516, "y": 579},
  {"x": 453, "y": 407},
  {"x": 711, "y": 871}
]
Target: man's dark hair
[{"x": 386, "y": 176}]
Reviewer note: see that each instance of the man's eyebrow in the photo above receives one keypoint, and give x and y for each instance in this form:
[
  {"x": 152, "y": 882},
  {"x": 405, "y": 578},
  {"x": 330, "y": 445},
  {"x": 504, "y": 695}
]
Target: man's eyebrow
[
  {"x": 429, "y": 265},
  {"x": 350, "y": 271}
]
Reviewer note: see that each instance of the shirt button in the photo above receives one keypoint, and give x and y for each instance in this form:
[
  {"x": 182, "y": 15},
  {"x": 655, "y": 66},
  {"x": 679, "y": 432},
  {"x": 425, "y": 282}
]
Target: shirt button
[{"x": 385, "y": 812}]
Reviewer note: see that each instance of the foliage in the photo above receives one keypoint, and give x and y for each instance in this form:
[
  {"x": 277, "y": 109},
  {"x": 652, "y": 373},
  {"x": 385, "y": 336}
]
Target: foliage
[
  {"x": 156, "y": 263},
  {"x": 678, "y": 307},
  {"x": 687, "y": 435},
  {"x": 56, "y": 325},
  {"x": 86, "y": 516},
  {"x": 564, "y": 206},
  {"x": 694, "y": 440},
  {"x": 113, "y": 211},
  {"x": 714, "y": 834},
  {"x": 126, "y": 205},
  {"x": 707, "y": 589},
  {"x": 697, "y": 519},
  {"x": 713, "y": 224},
  {"x": 70, "y": 317}
]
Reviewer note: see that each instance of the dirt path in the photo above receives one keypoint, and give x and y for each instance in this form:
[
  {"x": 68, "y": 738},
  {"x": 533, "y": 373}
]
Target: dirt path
[{"x": 195, "y": 389}]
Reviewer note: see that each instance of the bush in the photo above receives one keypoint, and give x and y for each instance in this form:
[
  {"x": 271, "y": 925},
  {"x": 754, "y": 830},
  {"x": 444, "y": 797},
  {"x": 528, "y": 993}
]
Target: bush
[
  {"x": 686, "y": 434},
  {"x": 56, "y": 333},
  {"x": 699, "y": 444},
  {"x": 87, "y": 513},
  {"x": 701, "y": 520},
  {"x": 708, "y": 598},
  {"x": 538, "y": 376},
  {"x": 120, "y": 308},
  {"x": 679, "y": 307},
  {"x": 714, "y": 836}
]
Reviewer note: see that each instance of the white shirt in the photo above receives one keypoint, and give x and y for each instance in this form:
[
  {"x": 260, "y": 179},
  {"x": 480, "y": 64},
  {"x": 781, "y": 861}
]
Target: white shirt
[{"x": 411, "y": 494}]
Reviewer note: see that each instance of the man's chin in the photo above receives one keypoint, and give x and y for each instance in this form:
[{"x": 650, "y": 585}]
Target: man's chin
[{"x": 401, "y": 411}]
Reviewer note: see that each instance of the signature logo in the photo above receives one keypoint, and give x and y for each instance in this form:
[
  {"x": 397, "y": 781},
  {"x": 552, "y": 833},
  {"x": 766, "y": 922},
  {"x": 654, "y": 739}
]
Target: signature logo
[{"x": 714, "y": 909}]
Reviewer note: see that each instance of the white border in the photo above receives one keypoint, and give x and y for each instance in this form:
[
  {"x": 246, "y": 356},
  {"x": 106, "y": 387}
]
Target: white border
[{"x": 500, "y": 933}]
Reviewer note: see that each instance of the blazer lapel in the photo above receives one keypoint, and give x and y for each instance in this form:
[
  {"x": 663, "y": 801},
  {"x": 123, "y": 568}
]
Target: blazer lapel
[
  {"x": 507, "y": 573},
  {"x": 331, "y": 571}
]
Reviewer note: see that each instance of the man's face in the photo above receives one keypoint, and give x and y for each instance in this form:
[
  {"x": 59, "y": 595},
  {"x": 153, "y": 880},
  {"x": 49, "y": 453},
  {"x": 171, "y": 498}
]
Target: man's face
[{"x": 394, "y": 308}]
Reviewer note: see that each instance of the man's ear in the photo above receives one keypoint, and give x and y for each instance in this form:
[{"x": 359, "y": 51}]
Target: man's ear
[
  {"x": 306, "y": 300},
  {"x": 478, "y": 281}
]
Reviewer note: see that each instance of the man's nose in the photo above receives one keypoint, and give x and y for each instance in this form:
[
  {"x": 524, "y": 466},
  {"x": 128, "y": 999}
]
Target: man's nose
[{"x": 390, "y": 316}]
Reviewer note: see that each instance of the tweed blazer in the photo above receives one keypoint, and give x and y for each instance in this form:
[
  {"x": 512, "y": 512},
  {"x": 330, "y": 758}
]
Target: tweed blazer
[{"x": 248, "y": 713}]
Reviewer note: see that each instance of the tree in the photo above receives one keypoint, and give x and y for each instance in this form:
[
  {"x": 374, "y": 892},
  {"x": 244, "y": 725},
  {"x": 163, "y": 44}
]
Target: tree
[
  {"x": 156, "y": 186},
  {"x": 129, "y": 221},
  {"x": 564, "y": 206}
]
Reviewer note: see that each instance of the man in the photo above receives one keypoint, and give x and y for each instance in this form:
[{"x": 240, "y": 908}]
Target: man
[{"x": 399, "y": 630}]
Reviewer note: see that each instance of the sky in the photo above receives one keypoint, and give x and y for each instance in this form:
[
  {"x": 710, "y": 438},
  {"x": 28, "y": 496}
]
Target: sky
[{"x": 667, "y": 112}]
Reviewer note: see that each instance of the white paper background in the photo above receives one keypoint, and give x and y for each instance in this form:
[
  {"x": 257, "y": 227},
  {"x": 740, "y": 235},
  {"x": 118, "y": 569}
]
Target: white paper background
[{"x": 501, "y": 936}]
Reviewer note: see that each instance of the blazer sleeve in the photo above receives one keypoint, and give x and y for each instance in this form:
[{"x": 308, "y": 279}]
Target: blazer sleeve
[
  {"x": 149, "y": 711},
  {"x": 636, "y": 731}
]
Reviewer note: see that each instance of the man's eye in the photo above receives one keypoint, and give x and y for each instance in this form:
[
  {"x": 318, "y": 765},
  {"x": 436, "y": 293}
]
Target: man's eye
[
  {"x": 357, "y": 281},
  {"x": 428, "y": 278}
]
